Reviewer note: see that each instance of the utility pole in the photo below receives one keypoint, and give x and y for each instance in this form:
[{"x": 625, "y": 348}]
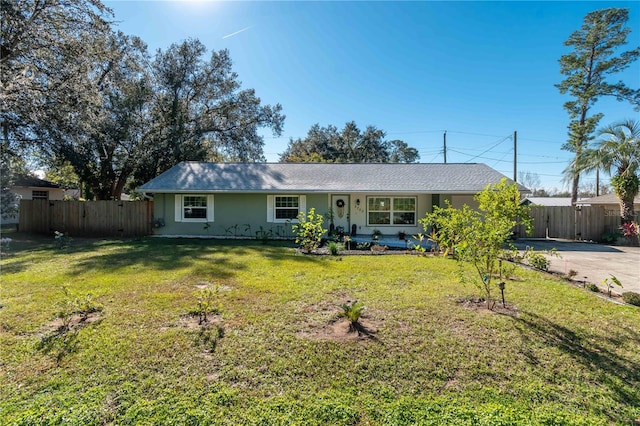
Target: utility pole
[
  {"x": 515, "y": 156},
  {"x": 445, "y": 147},
  {"x": 597, "y": 182}
]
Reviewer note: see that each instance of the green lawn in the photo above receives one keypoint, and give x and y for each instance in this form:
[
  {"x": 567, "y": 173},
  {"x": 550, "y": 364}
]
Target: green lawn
[{"x": 561, "y": 356}]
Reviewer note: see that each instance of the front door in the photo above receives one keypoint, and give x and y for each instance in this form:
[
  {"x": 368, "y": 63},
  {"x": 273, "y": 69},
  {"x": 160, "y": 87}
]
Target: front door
[{"x": 340, "y": 208}]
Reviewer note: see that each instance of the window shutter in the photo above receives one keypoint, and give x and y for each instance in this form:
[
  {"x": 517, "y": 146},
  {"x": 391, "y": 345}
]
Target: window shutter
[
  {"x": 210, "y": 208},
  {"x": 270, "y": 208},
  {"x": 302, "y": 203},
  {"x": 178, "y": 211}
]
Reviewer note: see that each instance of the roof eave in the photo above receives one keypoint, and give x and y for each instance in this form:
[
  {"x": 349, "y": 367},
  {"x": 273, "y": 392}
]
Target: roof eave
[{"x": 317, "y": 191}]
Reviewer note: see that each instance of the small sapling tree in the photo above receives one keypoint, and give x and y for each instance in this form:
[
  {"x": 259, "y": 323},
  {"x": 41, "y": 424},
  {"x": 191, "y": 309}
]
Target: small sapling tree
[
  {"x": 609, "y": 283},
  {"x": 207, "y": 303},
  {"x": 479, "y": 236},
  {"x": 309, "y": 230},
  {"x": 75, "y": 306},
  {"x": 62, "y": 241}
]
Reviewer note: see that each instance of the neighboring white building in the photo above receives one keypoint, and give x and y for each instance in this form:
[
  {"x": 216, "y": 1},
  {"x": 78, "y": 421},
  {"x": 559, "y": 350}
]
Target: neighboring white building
[{"x": 32, "y": 188}]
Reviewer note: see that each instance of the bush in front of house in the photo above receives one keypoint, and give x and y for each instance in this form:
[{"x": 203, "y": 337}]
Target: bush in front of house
[
  {"x": 631, "y": 298},
  {"x": 309, "y": 230},
  {"x": 593, "y": 287},
  {"x": 631, "y": 231},
  {"x": 334, "y": 248},
  {"x": 538, "y": 261},
  {"x": 610, "y": 237}
]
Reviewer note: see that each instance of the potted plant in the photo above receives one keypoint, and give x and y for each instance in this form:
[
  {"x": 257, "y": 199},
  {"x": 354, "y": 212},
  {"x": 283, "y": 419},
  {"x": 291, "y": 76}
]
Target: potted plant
[{"x": 376, "y": 234}]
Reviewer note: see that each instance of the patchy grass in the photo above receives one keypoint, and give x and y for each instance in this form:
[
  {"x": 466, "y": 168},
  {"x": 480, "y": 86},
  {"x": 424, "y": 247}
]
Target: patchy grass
[{"x": 560, "y": 355}]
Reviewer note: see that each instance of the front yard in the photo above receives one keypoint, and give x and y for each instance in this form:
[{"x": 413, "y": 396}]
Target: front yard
[{"x": 274, "y": 352}]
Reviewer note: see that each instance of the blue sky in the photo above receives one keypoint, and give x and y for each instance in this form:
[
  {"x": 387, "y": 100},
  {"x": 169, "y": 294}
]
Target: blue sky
[{"x": 479, "y": 70}]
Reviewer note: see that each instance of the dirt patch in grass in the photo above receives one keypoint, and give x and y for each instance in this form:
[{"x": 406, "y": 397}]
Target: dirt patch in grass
[
  {"x": 192, "y": 321},
  {"x": 201, "y": 285},
  {"x": 335, "y": 328},
  {"x": 340, "y": 330},
  {"x": 324, "y": 321},
  {"x": 76, "y": 322},
  {"x": 480, "y": 304},
  {"x": 59, "y": 338}
]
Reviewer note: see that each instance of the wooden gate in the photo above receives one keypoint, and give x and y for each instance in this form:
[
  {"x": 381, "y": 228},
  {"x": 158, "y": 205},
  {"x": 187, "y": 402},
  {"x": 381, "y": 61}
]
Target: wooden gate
[{"x": 582, "y": 223}]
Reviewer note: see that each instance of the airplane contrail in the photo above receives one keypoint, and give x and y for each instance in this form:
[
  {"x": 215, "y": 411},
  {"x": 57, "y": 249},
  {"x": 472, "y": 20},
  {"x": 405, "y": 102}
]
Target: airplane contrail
[{"x": 237, "y": 32}]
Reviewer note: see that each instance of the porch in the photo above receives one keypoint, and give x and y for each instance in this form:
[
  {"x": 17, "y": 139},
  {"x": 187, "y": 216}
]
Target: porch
[{"x": 392, "y": 241}]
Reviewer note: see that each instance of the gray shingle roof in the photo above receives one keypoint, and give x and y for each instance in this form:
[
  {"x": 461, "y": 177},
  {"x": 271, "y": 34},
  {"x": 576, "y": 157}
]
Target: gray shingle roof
[
  {"x": 32, "y": 181},
  {"x": 324, "y": 177},
  {"x": 606, "y": 199}
]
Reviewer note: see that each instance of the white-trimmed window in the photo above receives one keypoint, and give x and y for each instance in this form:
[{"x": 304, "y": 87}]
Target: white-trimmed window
[
  {"x": 391, "y": 210},
  {"x": 194, "y": 208},
  {"x": 285, "y": 208}
]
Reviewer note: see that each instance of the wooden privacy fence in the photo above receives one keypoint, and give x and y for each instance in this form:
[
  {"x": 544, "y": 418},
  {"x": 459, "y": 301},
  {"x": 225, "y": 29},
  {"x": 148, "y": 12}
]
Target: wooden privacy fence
[
  {"x": 87, "y": 218},
  {"x": 582, "y": 223}
]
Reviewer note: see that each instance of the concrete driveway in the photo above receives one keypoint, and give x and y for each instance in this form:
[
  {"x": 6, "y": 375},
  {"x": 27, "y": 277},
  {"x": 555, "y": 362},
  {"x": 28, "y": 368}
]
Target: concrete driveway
[{"x": 593, "y": 262}]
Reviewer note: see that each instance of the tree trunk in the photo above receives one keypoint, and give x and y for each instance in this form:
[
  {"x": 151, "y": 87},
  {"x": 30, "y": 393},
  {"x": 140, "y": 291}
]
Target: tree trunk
[
  {"x": 117, "y": 193},
  {"x": 626, "y": 209},
  {"x": 574, "y": 188},
  {"x": 100, "y": 193},
  {"x": 626, "y": 189}
]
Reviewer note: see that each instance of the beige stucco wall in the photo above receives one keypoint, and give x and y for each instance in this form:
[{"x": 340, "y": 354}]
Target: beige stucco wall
[
  {"x": 24, "y": 193},
  {"x": 458, "y": 201}
]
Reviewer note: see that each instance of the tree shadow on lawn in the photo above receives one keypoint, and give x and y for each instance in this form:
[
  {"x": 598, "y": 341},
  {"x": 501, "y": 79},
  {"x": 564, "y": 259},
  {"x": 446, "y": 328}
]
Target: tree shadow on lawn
[
  {"x": 115, "y": 254},
  {"x": 167, "y": 255},
  {"x": 14, "y": 259},
  {"x": 159, "y": 253},
  {"x": 593, "y": 354},
  {"x": 225, "y": 256}
]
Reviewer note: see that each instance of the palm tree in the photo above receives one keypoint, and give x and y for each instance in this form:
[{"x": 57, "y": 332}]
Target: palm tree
[{"x": 617, "y": 147}]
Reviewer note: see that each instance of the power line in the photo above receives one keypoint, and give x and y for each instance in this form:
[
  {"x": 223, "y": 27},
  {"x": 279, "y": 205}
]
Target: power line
[
  {"x": 542, "y": 162},
  {"x": 482, "y": 158},
  {"x": 434, "y": 157},
  {"x": 483, "y": 152},
  {"x": 414, "y": 132},
  {"x": 480, "y": 149},
  {"x": 474, "y": 134}
]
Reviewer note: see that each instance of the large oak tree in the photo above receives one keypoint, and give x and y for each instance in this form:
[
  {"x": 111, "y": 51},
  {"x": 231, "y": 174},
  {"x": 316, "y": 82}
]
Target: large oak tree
[
  {"x": 45, "y": 49},
  {"x": 88, "y": 96},
  {"x": 349, "y": 145},
  {"x": 200, "y": 112},
  {"x": 155, "y": 113}
]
